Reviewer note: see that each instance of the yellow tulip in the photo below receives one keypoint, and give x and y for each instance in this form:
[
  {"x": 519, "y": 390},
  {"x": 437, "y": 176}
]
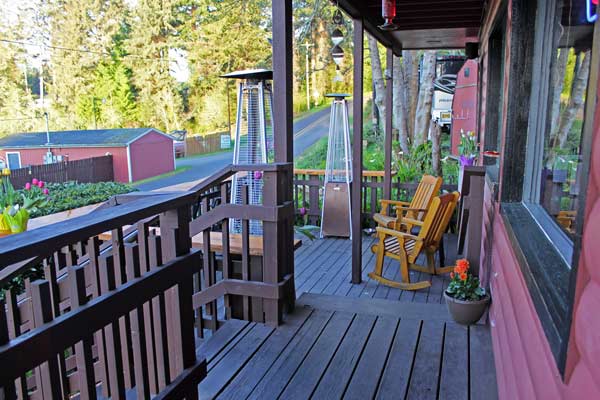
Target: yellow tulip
[{"x": 6, "y": 172}]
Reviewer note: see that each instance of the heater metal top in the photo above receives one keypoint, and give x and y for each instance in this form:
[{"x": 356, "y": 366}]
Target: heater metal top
[
  {"x": 252, "y": 74},
  {"x": 338, "y": 96}
]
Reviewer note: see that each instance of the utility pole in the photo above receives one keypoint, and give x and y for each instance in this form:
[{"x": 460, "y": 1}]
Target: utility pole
[{"x": 307, "y": 46}]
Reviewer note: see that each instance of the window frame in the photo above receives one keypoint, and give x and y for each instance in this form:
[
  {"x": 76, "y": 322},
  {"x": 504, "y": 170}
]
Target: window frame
[
  {"x": 18, "y": 153},
  {"x": 546, "y": 255}
]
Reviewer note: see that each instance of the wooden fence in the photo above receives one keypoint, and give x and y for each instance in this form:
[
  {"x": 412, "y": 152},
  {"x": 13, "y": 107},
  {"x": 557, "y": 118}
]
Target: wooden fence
[
  {"x": 87, "y": 170},
  {"x": 123, "y": 293},
  {"x": 308, "y": 192},
  {"x": 204, "y": 144}
]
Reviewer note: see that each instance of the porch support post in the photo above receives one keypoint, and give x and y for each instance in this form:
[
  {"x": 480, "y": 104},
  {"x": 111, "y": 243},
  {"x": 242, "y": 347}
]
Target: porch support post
[
  {"x": 357, "y": 167},
  {"x": 282, "y": 232},
  {"x": 389, "y": 83},
  {"x": 282, "y": 81}
]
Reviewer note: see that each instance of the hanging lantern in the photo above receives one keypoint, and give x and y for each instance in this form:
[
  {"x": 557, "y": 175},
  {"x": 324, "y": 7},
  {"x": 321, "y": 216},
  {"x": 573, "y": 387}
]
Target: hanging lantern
[
  {"x": 337, "y": 36},
  {"x": 338, "y": 55},
  {"x": 338, "y": 19},
  {"x": 388, "y": 12}
]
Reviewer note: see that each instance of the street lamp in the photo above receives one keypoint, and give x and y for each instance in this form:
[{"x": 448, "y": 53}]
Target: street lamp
[{"x": 307, "y": 46}]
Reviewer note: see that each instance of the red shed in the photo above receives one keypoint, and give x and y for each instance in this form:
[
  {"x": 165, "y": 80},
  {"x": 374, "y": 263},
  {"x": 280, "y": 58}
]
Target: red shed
[{"x": 137, "y": 153}]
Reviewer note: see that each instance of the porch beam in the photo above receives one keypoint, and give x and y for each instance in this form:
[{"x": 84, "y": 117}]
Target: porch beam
[
  {"x": 357, "y": 153},
  {"x": 282, "y": 80},
  {"x": 389, "y": 84}
]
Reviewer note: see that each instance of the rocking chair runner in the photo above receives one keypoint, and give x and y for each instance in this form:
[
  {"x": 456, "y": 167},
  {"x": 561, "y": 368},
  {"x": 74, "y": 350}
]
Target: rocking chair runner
[
  {"x": 405, "y": 247},
  {"x": 415, "y": 210}
]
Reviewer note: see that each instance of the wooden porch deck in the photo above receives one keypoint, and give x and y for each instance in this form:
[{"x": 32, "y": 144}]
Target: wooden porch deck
[{"x": 351, "y": 341}]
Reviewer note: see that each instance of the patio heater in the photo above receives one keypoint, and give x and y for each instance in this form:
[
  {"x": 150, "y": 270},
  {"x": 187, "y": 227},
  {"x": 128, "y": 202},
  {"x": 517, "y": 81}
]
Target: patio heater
[
  {"x": 253, "y": 138},
  {"x": 336, "y": 215}
]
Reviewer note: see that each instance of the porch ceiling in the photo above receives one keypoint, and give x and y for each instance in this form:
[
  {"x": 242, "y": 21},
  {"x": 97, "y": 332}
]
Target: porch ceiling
[{"x": 423, "y": 24}]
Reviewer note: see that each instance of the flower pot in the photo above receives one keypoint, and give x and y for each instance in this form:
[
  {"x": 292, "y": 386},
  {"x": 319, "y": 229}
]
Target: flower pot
[
  {"x": 467, "y": 161},
  {"x": 466, "y": 312}
]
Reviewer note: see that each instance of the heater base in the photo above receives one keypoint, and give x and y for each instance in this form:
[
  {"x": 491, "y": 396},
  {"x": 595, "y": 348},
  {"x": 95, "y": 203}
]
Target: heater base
[{"x": 336, "y": 210}]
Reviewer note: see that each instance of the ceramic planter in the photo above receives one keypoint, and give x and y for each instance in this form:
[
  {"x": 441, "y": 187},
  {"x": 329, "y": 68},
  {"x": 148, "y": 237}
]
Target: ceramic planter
[{"x": 466, "y": 312}]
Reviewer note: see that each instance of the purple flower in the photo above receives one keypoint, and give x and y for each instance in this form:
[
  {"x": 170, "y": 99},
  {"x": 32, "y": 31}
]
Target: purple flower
[
  {"x": 302, "y": 211},
  {"x": 28, "y": 186},
  {"x": 46, "y": 191},
  {"x": 34, "y": 181},
  {"x": 257, "y": 174},
  {"x": 467, "y": 161}
]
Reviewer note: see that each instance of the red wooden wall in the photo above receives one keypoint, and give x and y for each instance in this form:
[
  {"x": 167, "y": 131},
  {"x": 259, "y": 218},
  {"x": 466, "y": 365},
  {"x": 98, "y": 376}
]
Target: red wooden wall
[
  {"x": 525, "y": 366},
  {"x": 151, "y": 155}
]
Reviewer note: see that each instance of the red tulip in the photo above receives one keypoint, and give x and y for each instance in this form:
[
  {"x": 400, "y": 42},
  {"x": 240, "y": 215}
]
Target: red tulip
[
  {"x": 40, "y": 184},
  {"x": 34, "y": 181},
  {"x": 28, "y": 186}
]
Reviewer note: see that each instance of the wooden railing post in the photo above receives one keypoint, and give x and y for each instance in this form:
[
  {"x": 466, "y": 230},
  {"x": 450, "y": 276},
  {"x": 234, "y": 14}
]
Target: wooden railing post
[
  {"x": 175, "y": 242},
  {"x": 7, "y": 389}
]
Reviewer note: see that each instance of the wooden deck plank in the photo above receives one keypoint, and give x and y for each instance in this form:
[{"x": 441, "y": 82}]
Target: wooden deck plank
[
  {"x": 454, "y": 380},
  {"x": 482, "y": 372},
  {"x": 257, "y": 367},
  {"x": 275, "y": 380},
  {"x": 227, "y": 348},
  {"x": 308, "y": 279},
  {"x": 344, "y": 278},
  {"x": 396, "y": 376},
  {"x": 228, "y": 332},
  {"x": 376, "y": 307},
  {"x": 339, "y": 371},
  {"x": 236, "y": 358},
  {"x": 425, "y": 374},
  {"x": 366, "y": 376},
  {"x": 309, "y": 373},
  {"x": 343, "y": 260}
]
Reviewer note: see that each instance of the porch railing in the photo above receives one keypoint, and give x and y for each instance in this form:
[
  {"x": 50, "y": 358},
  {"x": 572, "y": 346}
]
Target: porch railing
[
  {"x": 131, "y": 265},
  {"x": 308, "y": 192}
]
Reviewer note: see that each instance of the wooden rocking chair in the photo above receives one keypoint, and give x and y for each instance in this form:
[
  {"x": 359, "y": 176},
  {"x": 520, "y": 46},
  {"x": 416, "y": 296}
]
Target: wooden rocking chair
[
  {"x": 405, "y": 247},
  {"x": 428, "y": 188}
]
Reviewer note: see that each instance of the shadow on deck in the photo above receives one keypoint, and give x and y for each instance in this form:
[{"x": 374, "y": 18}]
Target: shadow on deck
[{"x": 351, "y": 341}]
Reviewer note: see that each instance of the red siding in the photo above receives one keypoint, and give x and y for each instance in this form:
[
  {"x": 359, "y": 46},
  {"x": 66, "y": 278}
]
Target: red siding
[
  {"x": 36, "y": 157},
  {"x": 525, "y": 366},
  {"x": 151, "y": 155},
  {"x": 464, "y": 103}
]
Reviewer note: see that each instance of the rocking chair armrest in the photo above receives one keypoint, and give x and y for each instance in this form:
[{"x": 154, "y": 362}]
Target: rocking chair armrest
[
  {"x": 382, "y": 232},
  {"x": 411, "y": 221},
  {"x": 385, "y": 202}
]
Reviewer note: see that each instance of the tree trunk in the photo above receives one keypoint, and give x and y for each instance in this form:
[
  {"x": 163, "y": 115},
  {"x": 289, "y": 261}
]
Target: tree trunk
[
  {"x": 411, "y": 76},
  {"x": 558, "y": 79},
  {"x": 423, "y": 113},
  {"x": 378, "y": 83},
  {"x": 576, "y": 101},
  {"x": 436, "y": 154},
  {"x": 399, "y": 105}
]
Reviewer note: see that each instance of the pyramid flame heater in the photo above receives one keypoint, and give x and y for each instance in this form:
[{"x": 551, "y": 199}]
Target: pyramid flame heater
[
  {"x": 336, "y": 215},
  {"x": 253, "y": 138}
]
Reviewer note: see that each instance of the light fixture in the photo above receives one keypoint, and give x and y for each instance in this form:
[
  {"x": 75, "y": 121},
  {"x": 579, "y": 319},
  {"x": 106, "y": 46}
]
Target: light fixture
[
  {"x": 388, "y": 12},
  {"x": 337, "y": 36}
]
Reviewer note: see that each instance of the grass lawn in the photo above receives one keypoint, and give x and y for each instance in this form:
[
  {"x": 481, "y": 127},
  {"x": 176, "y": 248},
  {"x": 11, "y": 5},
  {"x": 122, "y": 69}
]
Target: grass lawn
[{"x": 176, "y": 171}]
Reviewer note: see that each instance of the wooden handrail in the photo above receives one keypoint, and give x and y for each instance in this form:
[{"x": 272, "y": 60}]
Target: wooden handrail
[{"x": 298, "y": 171}]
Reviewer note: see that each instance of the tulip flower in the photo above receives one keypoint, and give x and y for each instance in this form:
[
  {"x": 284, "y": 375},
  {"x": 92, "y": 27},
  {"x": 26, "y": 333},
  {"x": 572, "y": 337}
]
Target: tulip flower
[
  {"x": 302, "y": 211},
  {"x": 257, "y": 174},
  {"x": 28, "y": 186},
  {"x": 34, "y": 181},
  {"x": 46, "y": 191},
  {"x": 40, "y": 184}
]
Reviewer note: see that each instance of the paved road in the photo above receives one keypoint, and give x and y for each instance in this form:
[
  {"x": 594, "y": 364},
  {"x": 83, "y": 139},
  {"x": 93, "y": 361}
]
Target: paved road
[{"x": 306, "y": 132}]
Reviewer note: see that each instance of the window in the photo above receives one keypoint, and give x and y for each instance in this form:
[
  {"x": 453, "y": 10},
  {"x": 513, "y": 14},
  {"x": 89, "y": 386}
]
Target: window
[
  {"x": 14, "y": 160},
  {"x": 543, "y": 171}
]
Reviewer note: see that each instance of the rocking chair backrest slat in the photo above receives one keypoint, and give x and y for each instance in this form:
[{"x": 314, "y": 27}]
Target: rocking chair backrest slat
[
  {"x": 428, "y": 188},
  {"x": 437, "y": 218}
]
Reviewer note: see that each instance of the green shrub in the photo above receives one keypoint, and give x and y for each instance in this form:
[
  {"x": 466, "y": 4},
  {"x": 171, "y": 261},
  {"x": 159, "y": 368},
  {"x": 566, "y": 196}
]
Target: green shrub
[{"x": 70, "y": 195}]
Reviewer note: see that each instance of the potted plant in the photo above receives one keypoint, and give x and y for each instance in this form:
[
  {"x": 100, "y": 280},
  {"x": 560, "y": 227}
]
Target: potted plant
[
  {"x": 466, "y": 300},
  {"x": 16, "y": 206}
]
